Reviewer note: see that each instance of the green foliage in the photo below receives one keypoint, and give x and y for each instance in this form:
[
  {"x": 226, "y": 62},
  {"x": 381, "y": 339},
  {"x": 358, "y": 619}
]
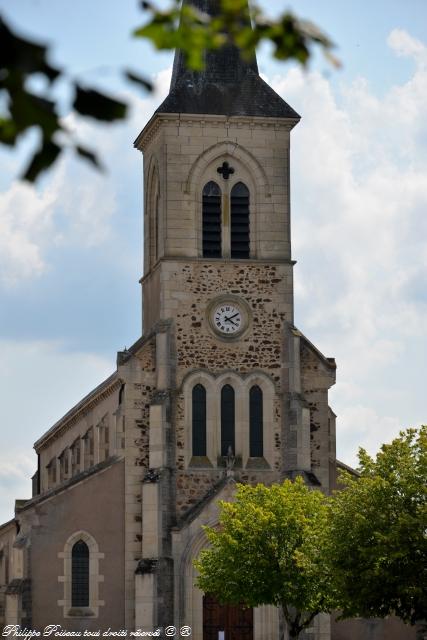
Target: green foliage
[
  {"x": 379, "y": 532},
  {"x": 22, "y": 59},
  {"x": 185, "y": 29},
  {"x": 89, "y": 102},
  {"x": 268, "y": 549},
  {"x": 42, "y": 159},
  {"x": 192, "y": 31}
]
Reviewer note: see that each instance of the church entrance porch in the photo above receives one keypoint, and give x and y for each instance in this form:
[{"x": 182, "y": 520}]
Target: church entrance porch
[{"x": 226, "y": 622}]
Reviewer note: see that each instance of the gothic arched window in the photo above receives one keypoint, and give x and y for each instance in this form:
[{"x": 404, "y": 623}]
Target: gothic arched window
[
  {"x": 156, "y": 227},
  {"x": 212, "y": 246},
  {"x": 256, "y": 436},
  {"x": 153, "y": 208},
  {"x": 227, "y": 420},
  {"x": 80, "y": 575},
  {"x": 199, "y": 420},
  {"x": 239, "y": 221}
]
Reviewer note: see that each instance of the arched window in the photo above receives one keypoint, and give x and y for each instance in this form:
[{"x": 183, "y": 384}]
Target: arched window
[
  {"x": 156, "y": 227},
  {"x": 212, "y": 247},
  {"x": 80, "y": 575},
  {"x": 199, "y": 420},
  {"x": 239, "y": 221},
  {"x": 256, "y": 448},
  {"x": 227, "y": 420},
  {"x": 153, "y": 221}
]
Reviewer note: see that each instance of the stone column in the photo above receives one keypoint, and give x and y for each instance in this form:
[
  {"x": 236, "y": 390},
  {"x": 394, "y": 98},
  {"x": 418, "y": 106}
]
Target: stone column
[
  {"x": 112, "y": 436},
  {"x": 69, "y": 454},
  {"x": 82, "y": 453},
  {"x": 57, "y": 471},
  {"x": 146, "y": 579},
  {"x": 297, "y": 430},
  {"x": 162, "y": 356},
  {"x": 96, "y": 456}
]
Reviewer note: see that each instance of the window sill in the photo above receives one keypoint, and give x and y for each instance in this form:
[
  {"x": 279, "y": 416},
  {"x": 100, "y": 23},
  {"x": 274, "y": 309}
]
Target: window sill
[
  {"x": 200, "y": 462},
  {"x": 257, "y": 463},
  {"x": 80, "y": 612}
]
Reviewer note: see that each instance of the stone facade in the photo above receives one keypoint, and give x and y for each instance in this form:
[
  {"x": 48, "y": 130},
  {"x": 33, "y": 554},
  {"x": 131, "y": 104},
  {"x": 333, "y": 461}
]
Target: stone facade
[{"x": 118, "y": 472}]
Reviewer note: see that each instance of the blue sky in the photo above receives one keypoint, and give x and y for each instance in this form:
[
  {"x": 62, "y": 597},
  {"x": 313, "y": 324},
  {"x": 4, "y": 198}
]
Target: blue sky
[{"x": 71, "y": 249}]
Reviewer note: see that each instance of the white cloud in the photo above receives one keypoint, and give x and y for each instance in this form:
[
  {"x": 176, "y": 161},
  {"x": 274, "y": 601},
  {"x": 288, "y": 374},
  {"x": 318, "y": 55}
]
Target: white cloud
[
  {"x": 16, "y": 470},
  {"x": 86, "y": 206},
  {"x": 363, "y": 426},
  {"x": 113, "y": 141},
  {"x": 36, "y": 219},
  {"x": 359, "y": 170},
  {"x": 76, "y": 205},
  {"x": 406, "y": 45},
  {"x": 25, "y": 222},
  {"x": 40, "y": 382}
]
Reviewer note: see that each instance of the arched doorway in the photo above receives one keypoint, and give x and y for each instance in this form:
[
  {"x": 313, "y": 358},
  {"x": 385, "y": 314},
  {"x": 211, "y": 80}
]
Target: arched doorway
[{"x": 226, "y": 622}]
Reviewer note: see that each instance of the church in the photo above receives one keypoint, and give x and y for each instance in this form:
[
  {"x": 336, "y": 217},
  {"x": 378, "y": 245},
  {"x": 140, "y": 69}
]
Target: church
[{"x": 220, "y": 388}]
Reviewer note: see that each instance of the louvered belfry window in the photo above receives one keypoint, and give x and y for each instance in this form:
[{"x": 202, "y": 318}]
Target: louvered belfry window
[
  {"x": 212, "y": 221},
  {"x": 256, "y": 449},
  {"x": 199, "y": 420},
  {"x": 239, "y": 221},
  {"x": 80, "y": 575},
  {"x": 227, "y": 420}
]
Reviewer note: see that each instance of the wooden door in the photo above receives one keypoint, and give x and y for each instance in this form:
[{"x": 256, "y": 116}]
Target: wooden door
[{"x": 236, "y": 622}]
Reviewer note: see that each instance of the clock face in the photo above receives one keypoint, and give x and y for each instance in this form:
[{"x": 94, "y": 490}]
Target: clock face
[{"x": 227, "y": 319}]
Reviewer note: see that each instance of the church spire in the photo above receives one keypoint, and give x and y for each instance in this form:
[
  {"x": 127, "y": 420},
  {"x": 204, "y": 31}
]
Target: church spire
[
  {"x": 223, "y": 66},
  {"x": 228, "y": 85}
]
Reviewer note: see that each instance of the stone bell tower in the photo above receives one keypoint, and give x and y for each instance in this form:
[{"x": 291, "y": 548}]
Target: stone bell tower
[{"x": 240, "y": 394}]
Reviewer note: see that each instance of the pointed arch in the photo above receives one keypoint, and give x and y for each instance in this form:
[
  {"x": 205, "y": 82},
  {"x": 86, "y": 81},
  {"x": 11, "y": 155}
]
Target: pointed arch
[
  {"x": 256, "y": 422},
  {"x": 153, "y": 223},
  {"x": 186, "y": 545},
  {"x": 154, "y": 196},
  {"x": 228, "y": 420},
  {"x": 199, "y": 420},
  {"x": 262, "y": 407},
  {"x": 80, "y": 574},
  {"x": 239, "y": 223},
  {"x": 199, "y": 378},
  {"x": 231, "y": 150},
  {"x": 211, "y": 220}
]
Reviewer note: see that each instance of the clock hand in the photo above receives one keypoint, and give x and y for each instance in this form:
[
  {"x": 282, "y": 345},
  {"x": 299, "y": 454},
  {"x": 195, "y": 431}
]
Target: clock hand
[
  {"x": 230, "y": 320},
  {"x": 236, "y": 314}
]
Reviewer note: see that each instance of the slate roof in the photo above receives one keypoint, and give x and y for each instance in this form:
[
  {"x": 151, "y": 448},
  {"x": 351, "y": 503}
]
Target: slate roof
[{"x": 228, "y": 85}]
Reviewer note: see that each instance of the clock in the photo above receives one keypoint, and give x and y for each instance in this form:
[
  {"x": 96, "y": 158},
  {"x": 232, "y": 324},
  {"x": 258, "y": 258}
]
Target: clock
[{"x": 228, "y": 316}]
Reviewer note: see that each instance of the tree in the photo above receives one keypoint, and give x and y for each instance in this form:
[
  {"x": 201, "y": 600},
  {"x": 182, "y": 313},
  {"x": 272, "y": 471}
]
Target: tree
[
  {"x": 268, "y": 549},
  {"x": 189, "y": 29},
  {"x": 379, "y": 532}
]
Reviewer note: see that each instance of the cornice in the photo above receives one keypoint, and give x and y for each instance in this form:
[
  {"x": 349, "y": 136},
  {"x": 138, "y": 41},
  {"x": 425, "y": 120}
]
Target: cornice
[
  {"x": 67, "y": 484},
  {"x": 7, "y": 525},
  {"x": 153, "y": 125},
  {"x": 328, "y": 362},
  {"x": 215, "y": 261},
  {"x": 79, "y": 411}
]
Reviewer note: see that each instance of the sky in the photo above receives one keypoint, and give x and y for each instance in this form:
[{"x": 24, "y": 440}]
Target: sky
[{"x": 71, "y": 248}]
